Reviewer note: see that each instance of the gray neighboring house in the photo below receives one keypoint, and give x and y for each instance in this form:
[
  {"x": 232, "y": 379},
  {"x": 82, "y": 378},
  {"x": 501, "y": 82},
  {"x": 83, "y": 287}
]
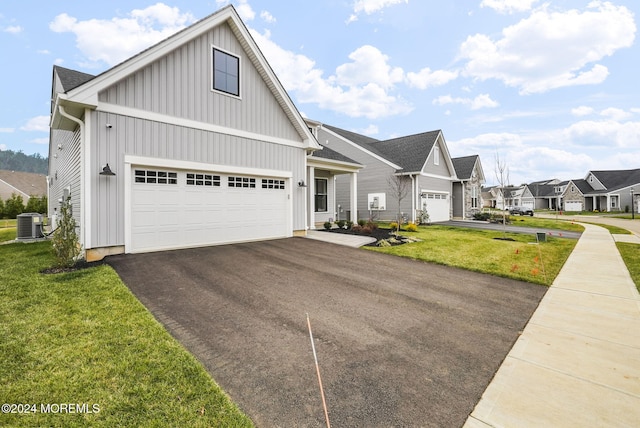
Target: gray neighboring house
[
  {"x": 547, "y": 193},
  {"x": 492, "y": 197},
  {"x": 611, "y": 190},
  {"x": 421, "y": 161},
  {"x": 205, "y": 144},
  {"x": 467, "y": 191}
]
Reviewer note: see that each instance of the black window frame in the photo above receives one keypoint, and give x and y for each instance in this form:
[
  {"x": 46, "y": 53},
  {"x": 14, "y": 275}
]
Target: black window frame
[
  {"x": 220, "y": 74},
  {"x": 321, "y": 199}
]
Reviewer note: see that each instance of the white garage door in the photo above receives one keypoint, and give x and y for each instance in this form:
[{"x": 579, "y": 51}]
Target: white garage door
[
  {"x": 573, "y": 206},
  {"x": 527, "y": 205},
  {"x": 179, "y": 209},
  {"x": 437, "y": 205}
]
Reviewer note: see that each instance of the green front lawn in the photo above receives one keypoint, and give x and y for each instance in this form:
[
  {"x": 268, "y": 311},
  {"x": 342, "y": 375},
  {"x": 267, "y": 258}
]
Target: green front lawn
[
  {"x": 631, "y": 255},
  {"x": 477, "y": 250},
  {"x": 545, "y": 223},
  {"x": 83, "y": 338},
  {"x": 7, "y": 234}
]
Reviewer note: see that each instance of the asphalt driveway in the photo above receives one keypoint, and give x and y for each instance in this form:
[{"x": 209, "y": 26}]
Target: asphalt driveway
[{"x": 399, "y": 342}]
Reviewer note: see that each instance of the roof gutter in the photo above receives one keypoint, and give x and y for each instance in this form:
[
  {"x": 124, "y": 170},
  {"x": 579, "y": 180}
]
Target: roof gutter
[{"x": 84, "y": 201}]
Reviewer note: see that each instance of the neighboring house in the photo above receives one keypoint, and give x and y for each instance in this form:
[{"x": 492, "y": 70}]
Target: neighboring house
[
  {"x": 467, "y": 191},
  {"x": 518, "y": 197},
  {"x": 25, "y": 184},
  {"x": 492, "y": 197},
  {"x": 547, "y": 194},
  {"x": 611, "y": 190},
  {"x": 421, "y": 163},
  {"x": 573, "y": 196},
  {"x": 206, "y": 146}
]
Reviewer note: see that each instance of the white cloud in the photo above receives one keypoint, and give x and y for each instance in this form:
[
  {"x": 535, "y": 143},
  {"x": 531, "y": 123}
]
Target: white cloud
[
  {"x": 369, "y": 130},
  {"x": 38, "y": 123},
  {"x": 44, "y": 52},
  {"x": 528, "y": 57},
  {"x": 40, "y": 141},
  {"x": 481, "y": 101},
  {"x": 12, "y": 29},
  {"x": 245, "y": 11},
  {"x": 112, "y": 41},
  {"x": 604, "y": 133},
  {"x": 3, "y": 147},
  {"x": 615, "y": 114},
  {"x": 582, "y": 111},
  {"x": 369, "y": 94},
  {"x": 267, "y": 17},
  {"x": 370, "y": 7},
  {"x": 368, "y": 66},
  {"x": 426, "y": 78},
  {"x": 508, "y": 6},
  {"x": 7, "y": 130}
]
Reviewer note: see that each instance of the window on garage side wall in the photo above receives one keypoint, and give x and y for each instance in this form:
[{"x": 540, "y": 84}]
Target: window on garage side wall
[{"x": 321, "y": 195}]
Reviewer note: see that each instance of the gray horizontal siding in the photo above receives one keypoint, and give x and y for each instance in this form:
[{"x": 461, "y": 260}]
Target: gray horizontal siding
[{"x": 67, "y": 168}]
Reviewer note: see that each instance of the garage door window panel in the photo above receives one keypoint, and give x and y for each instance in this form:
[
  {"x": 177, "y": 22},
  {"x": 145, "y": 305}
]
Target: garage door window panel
[
  {"x": 242, "y": 182},
  {"x": 197, "y": 179},
  {"x": 268, "y": 183},
  {"x": 155, "y": 177}
]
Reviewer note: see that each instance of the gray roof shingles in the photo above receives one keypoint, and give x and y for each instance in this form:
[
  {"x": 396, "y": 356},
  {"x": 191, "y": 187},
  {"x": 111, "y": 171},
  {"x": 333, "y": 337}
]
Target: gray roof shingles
[
  {"x": 71, "y": 79},
  {"x": 464, "y": 166},
  {"x": 327, "y": 153}
]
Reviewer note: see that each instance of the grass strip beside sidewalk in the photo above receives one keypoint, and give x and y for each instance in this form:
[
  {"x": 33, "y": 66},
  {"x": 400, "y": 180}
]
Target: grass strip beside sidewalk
[{"x": 83, "y": 338}]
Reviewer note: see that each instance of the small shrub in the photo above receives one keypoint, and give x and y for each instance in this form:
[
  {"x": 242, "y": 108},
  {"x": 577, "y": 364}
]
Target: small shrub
[
  {"x": 372, "y": 225},
  {"x": 362, "y": 222},
  {"x": 349, "y": 224},
  {"x": 366, "y": 230},
  {"x": 340, "y": 224},
  {"x": 356, "y": 228},
  {"x": 482, "y": 216},
  {"x": 411, "y": 227},
  {"x": 393, "y": 225},
  {"x": 66, "y": 247},
  {"x": 383, "y": 243},
  {"x": 327, "y": 225}
]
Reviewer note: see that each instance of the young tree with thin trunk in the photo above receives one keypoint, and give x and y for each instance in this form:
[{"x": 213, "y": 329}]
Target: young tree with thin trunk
[
  {"x": 502, "y": 175},
  {"x": 399, "y": 187}
]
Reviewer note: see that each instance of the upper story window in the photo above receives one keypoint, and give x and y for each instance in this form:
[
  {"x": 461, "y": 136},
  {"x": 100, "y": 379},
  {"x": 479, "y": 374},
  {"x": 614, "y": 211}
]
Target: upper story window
[
  {"x": 226, "y": 72},
  {"x": 436, "y": 155}
]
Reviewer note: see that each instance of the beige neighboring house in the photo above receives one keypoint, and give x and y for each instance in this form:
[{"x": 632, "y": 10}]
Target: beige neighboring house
[{"x": 25, "y": 184}]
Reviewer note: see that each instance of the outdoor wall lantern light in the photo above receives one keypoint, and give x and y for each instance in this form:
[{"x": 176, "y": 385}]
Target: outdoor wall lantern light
[
  {"x": 301, "y": 183},
  {"x": 106, "y": 170}
]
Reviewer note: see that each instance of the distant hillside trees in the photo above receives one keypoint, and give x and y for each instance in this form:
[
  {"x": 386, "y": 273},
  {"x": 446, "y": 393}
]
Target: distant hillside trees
[{"x": 18, "y": 161}]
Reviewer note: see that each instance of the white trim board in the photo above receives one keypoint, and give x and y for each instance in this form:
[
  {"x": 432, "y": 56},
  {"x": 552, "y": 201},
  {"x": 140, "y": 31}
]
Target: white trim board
[{"x": 194, "y": 124}]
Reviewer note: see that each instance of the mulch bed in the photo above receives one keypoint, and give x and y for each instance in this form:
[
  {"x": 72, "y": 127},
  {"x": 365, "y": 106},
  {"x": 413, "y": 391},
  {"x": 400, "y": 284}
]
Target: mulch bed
[{"x": 79, "y": 265}]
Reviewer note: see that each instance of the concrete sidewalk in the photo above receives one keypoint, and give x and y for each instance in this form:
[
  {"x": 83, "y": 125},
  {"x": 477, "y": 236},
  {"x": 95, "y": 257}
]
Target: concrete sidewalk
[
  {"x": 577, "y": 362},
  {"x": 340, "y": 238}
]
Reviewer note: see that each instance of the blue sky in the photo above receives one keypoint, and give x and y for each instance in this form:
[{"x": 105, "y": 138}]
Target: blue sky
[{"x": 550, "y": 87}]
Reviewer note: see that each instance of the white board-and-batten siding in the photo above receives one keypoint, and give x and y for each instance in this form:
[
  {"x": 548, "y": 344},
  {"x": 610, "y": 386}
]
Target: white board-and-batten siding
[{"x": 179, "y": 85}]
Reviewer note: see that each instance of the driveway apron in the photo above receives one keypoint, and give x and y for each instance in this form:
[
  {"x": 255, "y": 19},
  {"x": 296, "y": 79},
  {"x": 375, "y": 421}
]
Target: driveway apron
[{"x": 399, "y": 342}]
